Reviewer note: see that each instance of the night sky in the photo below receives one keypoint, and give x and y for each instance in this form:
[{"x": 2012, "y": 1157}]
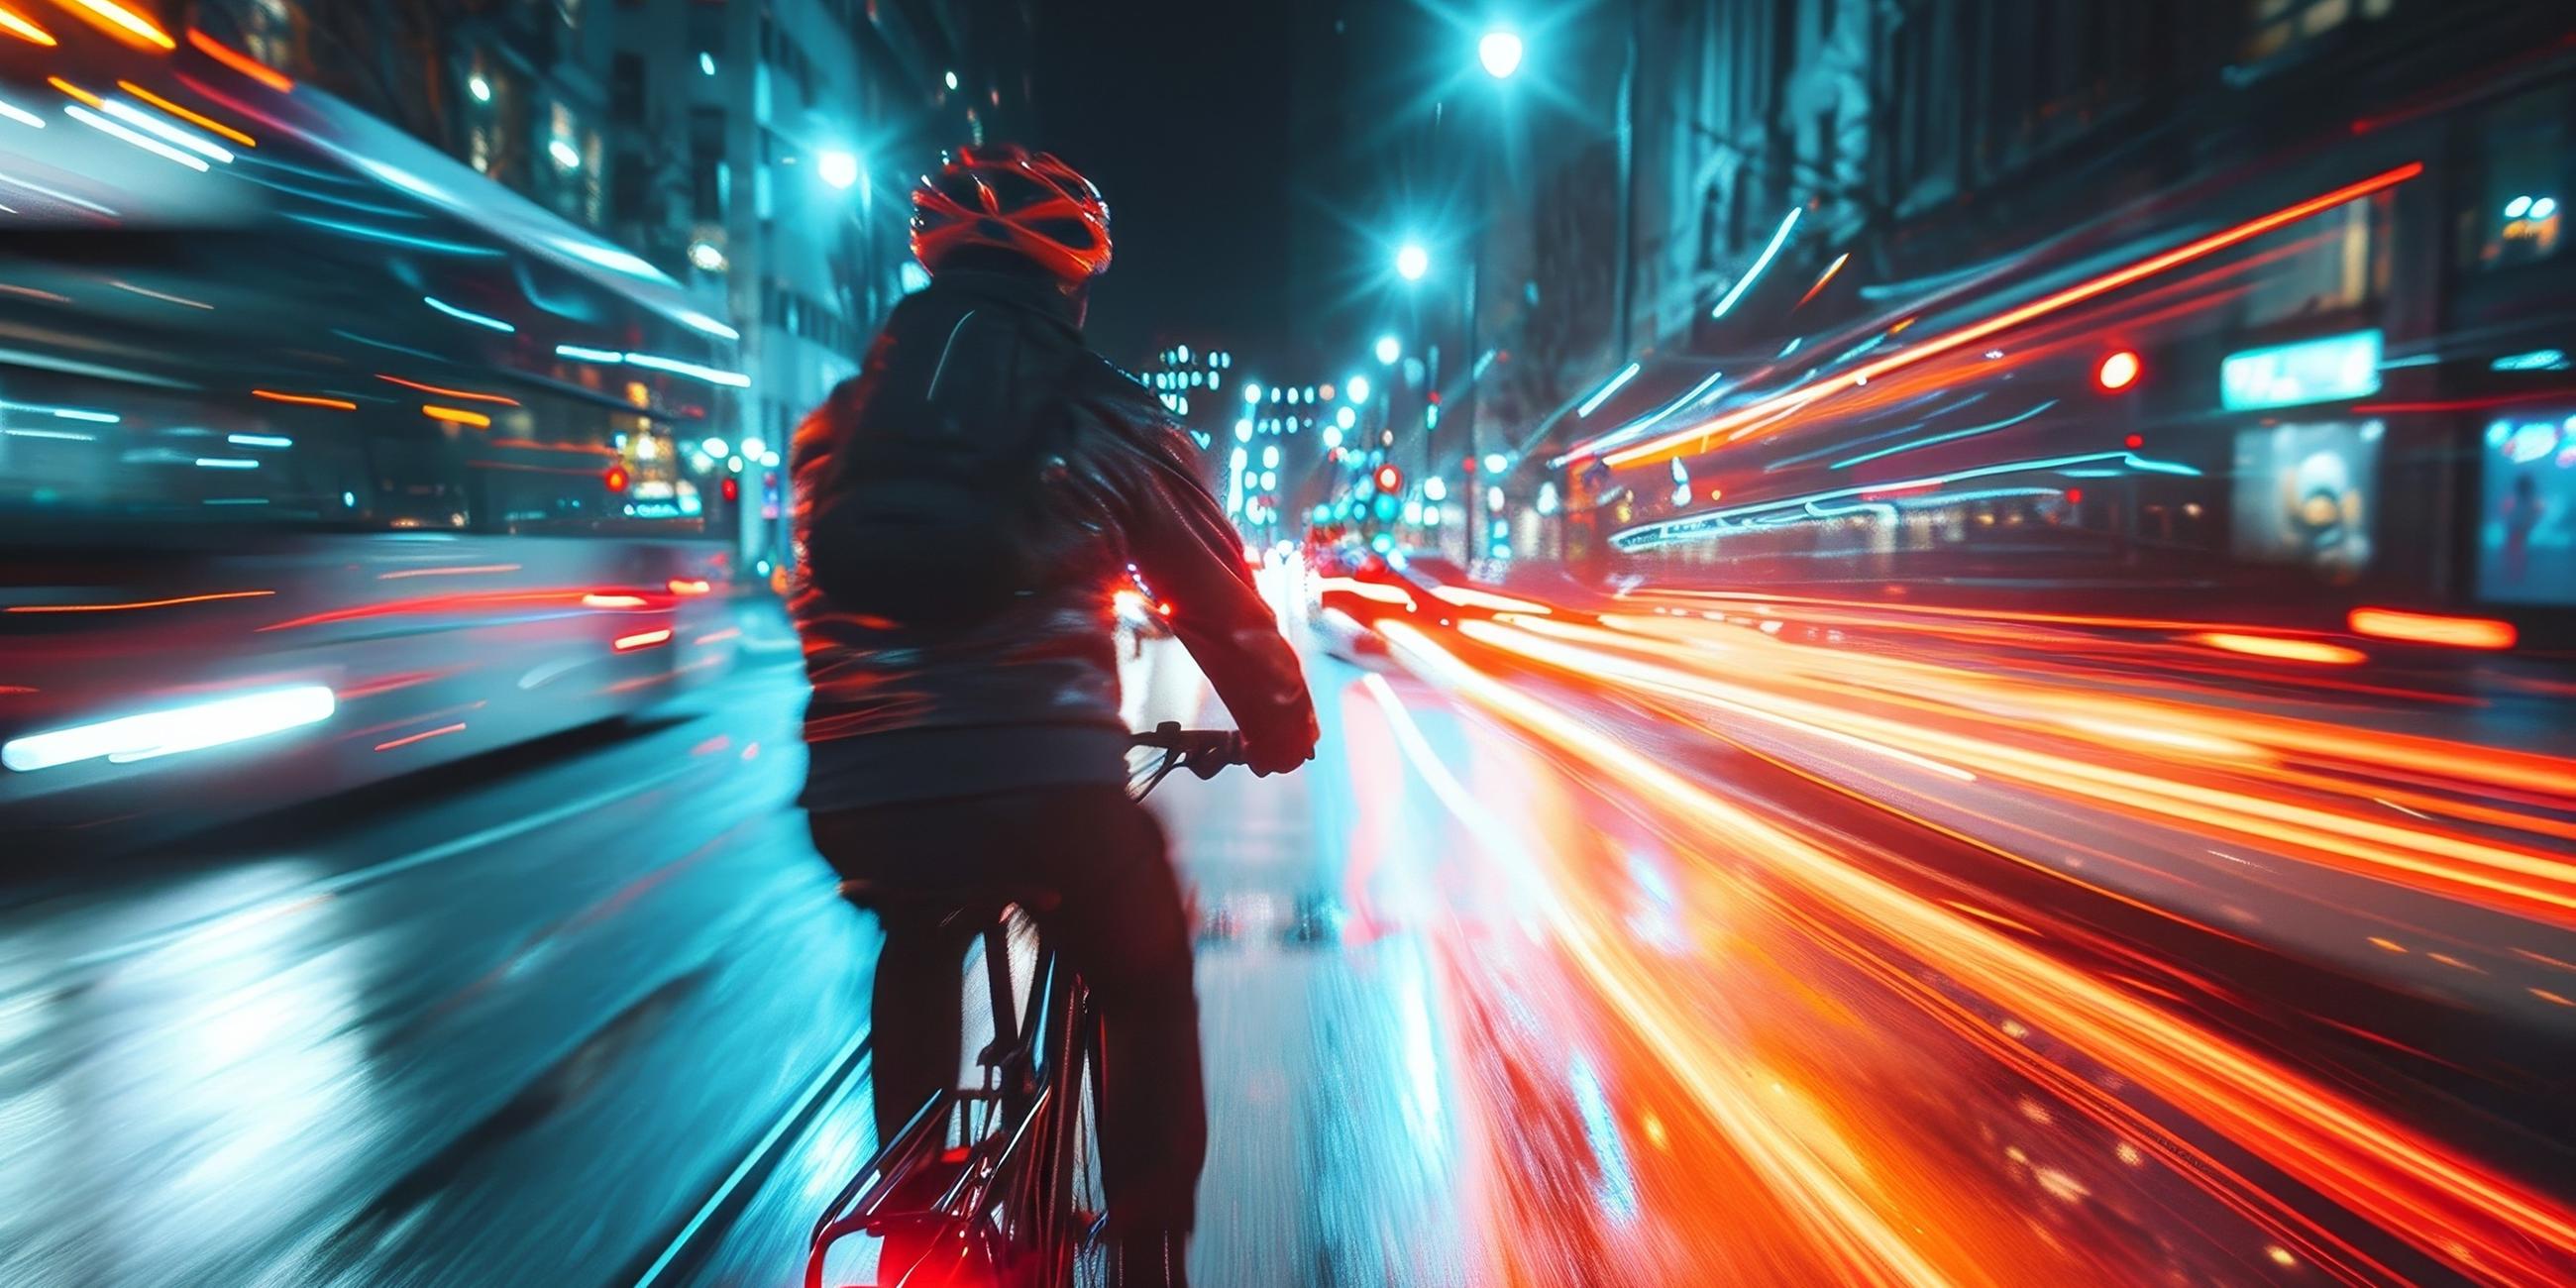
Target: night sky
[{"x": 1179, "y": 111}]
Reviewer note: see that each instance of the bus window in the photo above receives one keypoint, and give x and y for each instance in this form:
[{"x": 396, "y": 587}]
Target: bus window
[{"x": 77, "y": 448}]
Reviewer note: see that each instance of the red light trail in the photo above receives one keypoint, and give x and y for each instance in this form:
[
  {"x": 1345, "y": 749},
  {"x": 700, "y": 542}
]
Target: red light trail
[{"x": 1791, "y": 400}]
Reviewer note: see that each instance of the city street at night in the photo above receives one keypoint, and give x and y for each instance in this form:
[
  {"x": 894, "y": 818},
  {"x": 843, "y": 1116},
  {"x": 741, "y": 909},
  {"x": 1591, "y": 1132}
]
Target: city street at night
[
  {"x": 1785, "y": 643},
  {"x": 1544, "y": 965}
]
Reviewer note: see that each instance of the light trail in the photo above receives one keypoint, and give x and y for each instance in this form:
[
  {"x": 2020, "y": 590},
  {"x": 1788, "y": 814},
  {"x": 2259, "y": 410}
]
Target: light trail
[
  {"x": 2515, "y": 879},
  {"x": 1793, "y": 399},
  {"x": 2448, "y": 1207}
]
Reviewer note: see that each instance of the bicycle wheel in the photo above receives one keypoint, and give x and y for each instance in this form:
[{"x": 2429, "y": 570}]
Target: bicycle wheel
[
  {"x": 1086, "y": 1197},
  {"x": 1069, "y": 1198}
]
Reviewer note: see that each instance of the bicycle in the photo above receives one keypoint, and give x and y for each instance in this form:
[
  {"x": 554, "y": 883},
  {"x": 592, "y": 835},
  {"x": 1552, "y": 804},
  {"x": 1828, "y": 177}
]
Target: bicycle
[{"x": 999, "y": 1183}]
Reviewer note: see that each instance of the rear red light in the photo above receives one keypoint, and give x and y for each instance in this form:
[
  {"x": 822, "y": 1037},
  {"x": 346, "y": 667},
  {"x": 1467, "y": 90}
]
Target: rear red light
[
  {"x": 616, "y": 478},
  {"x": 2433, "y": 628}
]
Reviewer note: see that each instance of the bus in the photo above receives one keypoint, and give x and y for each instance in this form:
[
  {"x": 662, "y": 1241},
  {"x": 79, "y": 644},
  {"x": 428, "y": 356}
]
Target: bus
[{"x": 322, "y": 457}]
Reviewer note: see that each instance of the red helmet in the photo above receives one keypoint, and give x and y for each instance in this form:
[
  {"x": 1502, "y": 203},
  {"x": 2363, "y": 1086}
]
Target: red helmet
[{"x": 1024, "y": 202}]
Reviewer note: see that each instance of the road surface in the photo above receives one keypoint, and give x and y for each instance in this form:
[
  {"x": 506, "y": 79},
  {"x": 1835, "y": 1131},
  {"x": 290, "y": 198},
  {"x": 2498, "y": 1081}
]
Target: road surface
[{"x": 1664, "y": 950}]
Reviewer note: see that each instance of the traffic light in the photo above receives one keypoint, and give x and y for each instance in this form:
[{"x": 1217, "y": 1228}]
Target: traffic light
[
  {"x": 2118, "y": 371},
  {"x": 1390, "y": 480},
  {"x": 730, "y": 489}
]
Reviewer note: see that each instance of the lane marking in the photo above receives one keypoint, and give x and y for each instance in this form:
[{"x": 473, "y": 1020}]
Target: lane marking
[{"x": 836, "y": 1070}]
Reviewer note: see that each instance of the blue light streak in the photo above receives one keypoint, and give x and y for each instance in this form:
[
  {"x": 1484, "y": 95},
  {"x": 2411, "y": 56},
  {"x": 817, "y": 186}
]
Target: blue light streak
[
  {"x": 431, "y": 244},
  {"x": 1716, "y": 522},
  {"x": 468, "y": 315},
  {"x": 1647, "y": 422},
  {"x": 1955, "y": 434},
  {"x": 149, "y": 144},
  {"x": 1760, "y": 263},
  {"x": 1593, "y": 403}
]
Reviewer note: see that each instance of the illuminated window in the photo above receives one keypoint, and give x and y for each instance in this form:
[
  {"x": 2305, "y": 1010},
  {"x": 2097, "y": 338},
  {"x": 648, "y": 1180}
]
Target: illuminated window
[
  {"x": 2523, "y": 187},
  {"x": 268, "y": 32},
  {"x": 2279, "y": 25},
  {"x": 2335, "y": 261}
]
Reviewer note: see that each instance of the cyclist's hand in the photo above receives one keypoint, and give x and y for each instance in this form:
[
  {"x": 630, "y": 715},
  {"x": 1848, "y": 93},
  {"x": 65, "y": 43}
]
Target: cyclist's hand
[{"x": 1267, "y": 758}]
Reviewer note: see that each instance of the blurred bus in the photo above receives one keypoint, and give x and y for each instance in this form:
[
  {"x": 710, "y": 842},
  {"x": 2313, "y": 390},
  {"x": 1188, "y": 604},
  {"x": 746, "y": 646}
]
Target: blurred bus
[{"x": 322, "y": 458}]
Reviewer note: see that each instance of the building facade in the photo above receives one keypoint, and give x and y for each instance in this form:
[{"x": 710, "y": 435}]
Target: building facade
[{"x": 2293, "y": 265}]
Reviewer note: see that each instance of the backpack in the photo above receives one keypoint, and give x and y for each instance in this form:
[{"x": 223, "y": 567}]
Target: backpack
[{"x": 931, "y": 514}]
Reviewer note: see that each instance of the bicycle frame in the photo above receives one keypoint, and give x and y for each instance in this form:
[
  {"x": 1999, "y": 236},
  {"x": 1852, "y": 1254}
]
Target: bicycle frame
[
  {"x": 1018, "y": 1133},
  {"x": 1005, "y": 1153}
]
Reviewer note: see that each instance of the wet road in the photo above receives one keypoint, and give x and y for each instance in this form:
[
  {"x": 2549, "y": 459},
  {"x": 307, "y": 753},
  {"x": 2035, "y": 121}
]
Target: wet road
[{"x": 1656, "y": 948}]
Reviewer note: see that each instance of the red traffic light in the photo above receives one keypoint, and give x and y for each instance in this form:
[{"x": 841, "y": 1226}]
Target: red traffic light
[
  {"x": 731, "y": 488},
  {"x": 2118, "y": 371},
  {"x": 1389, "y": 479},
  {"x": 616, "y": 478}
]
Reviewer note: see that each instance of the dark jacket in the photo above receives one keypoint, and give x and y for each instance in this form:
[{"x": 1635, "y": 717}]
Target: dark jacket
[{"x": 1121, "y": 487}]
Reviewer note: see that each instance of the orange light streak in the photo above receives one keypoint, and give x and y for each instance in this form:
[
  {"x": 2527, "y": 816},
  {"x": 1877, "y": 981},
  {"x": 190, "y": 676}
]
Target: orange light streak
[
  {"x": 421, "y": 737},
  {"x": 2431, "y": 628},
  {"x": 1469, "y": 597},
  {"x": 597, "y": 600},
  {"x": 2287, "y": 650},
  {"x": 1793, "y": 399},
  {"x": 1830, "y": 270},
  {"x": 644, "y": 639},
  {"x": 18, "y": 25},
  {"x": 690, "y": 586},
  {"x": 75, "y": 91},
  {"x": 2523, "y": 881},
  {"x": 466, "y": 570},
  {"x": 198, "y": 119},
  {"x": 456, "y": 415},
  {"x": 239, "y": 62},
  {"x": 1378, "y": 591},
  {"x": 465, "y": 395},
  {"x": 123, "y": 23},
  {"x": 305, "y": 400},
  {"x": 2415, "y": 1188},
  {"x": 141, "y": 603}
]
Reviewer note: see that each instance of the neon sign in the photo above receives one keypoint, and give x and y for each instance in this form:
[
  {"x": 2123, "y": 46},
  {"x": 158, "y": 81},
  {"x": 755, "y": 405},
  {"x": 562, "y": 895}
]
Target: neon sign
[{"x": 2326, "y": 369}]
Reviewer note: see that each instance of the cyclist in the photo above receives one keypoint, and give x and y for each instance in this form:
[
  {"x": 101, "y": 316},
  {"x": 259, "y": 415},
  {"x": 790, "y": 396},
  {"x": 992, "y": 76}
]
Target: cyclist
[{"x": 978, "y": 745}]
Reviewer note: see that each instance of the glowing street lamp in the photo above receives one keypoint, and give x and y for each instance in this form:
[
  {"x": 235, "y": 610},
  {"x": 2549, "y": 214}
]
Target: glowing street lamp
[
  {"x": 1500, "y": 51},
  {"x": 1412, "y": 262},
  {"x": 839, "y": 169},
  {"x": 1388, "y": 350}
]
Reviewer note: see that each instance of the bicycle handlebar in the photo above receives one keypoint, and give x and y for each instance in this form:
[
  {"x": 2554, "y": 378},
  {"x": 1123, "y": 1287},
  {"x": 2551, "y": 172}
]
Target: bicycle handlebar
[{"x": 1202, "y": 751}]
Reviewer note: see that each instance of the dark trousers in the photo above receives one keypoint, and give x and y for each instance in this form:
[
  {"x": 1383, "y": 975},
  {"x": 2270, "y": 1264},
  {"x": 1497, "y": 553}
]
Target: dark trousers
[{"x": 1117, "y": 918}]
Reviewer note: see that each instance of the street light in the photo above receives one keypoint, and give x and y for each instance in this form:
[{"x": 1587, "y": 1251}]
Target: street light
[
  {"x": 1357, "y": 387},
  {"x": 1388, "y": 350},
  {"x": 1412, "y": 261},
  {"x": 1500, "y": 52},
  {"x": 839, "y": 169}
]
